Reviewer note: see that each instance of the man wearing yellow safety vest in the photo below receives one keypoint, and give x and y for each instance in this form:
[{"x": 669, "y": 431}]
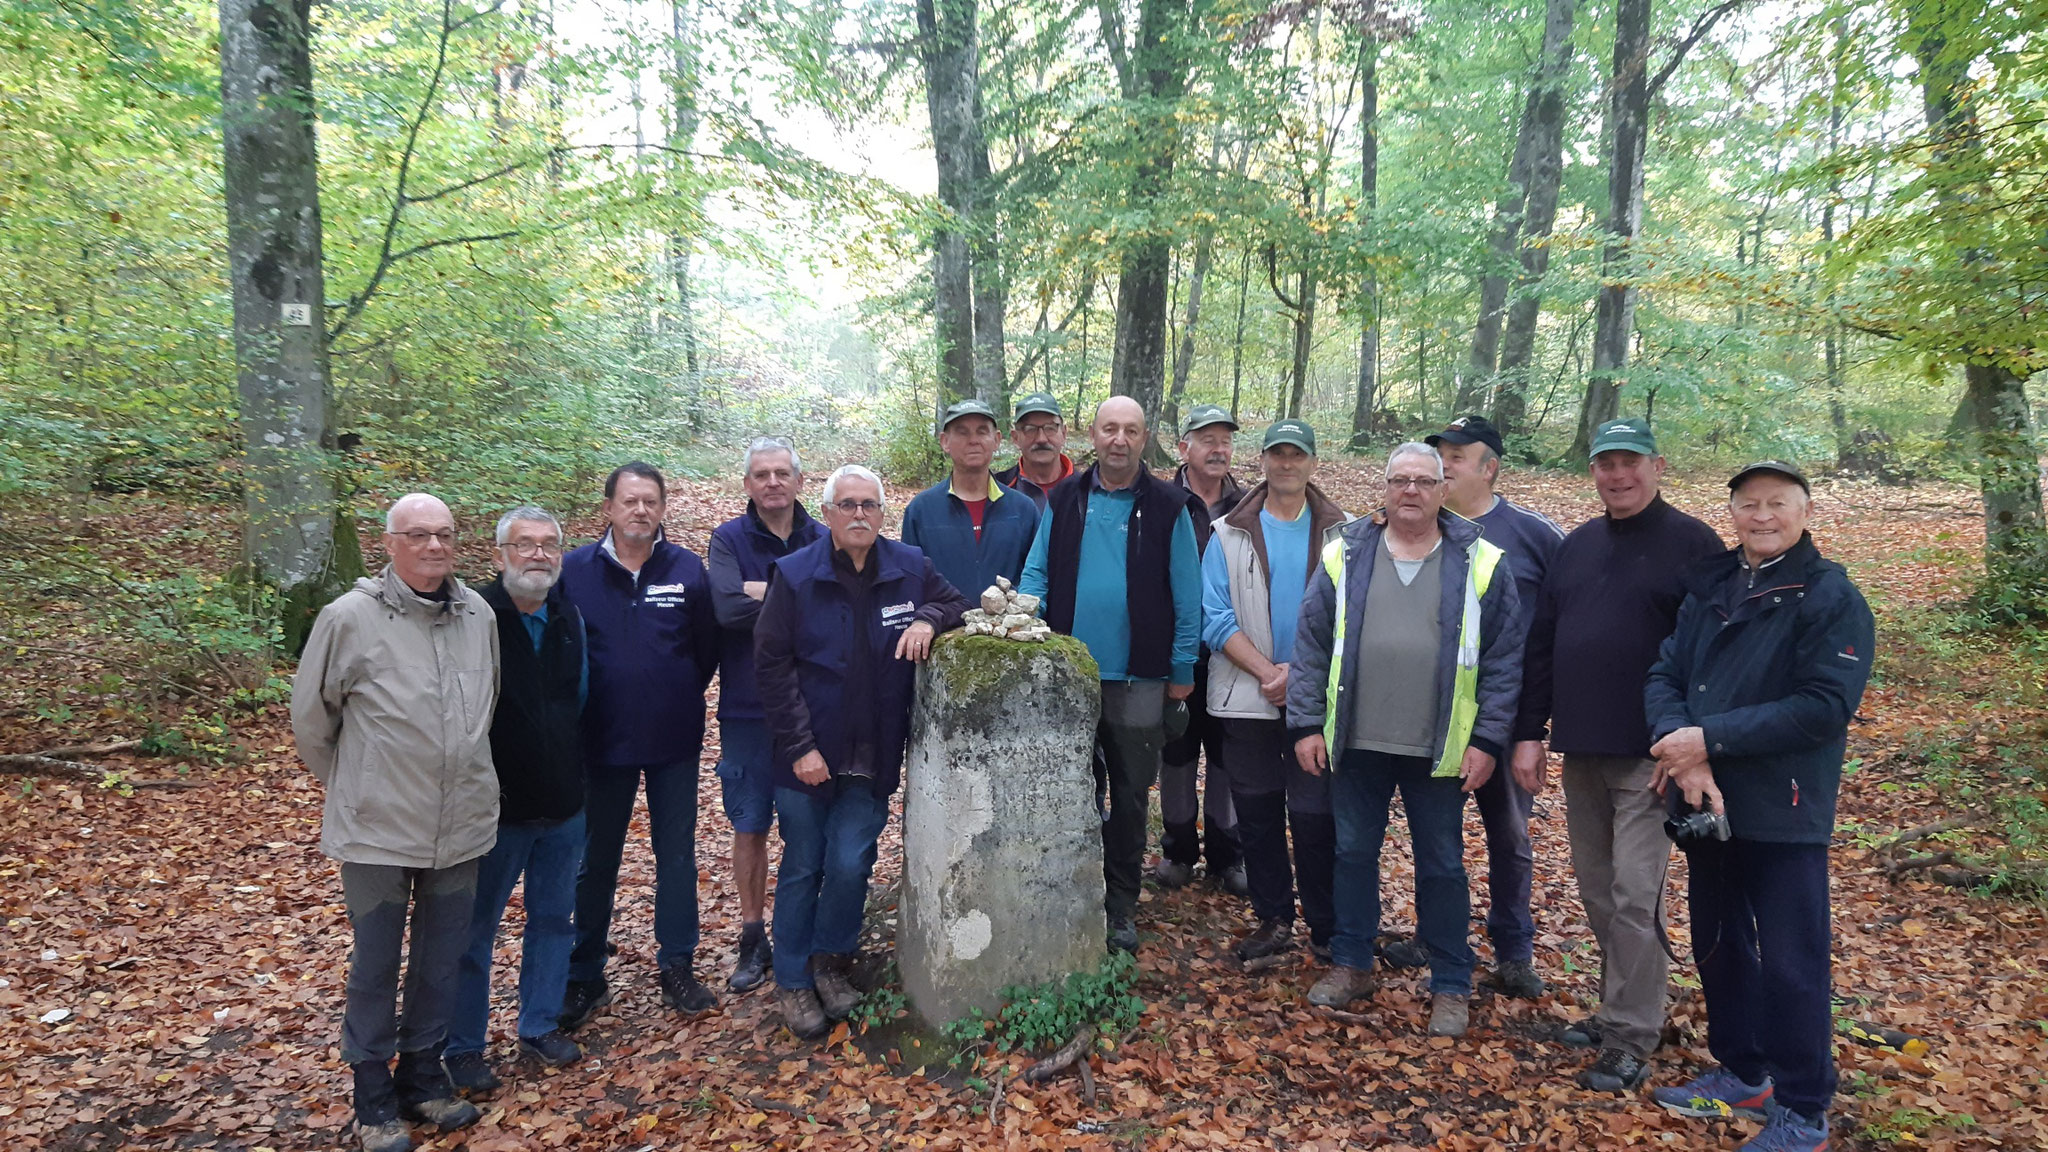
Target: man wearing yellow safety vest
[{"x": 1407, "y": 667}]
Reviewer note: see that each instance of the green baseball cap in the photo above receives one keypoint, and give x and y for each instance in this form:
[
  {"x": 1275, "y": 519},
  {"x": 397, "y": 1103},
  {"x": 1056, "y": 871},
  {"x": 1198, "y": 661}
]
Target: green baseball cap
[
  {"x": 1771, "y": 467},
  {"x": 968, "y": 407},
  {"x": 1203, "y": 415},
  {"x": 1624, "y": 436},
  {"x": 1036, "y": 402},
  {"x": 1290, "y": 431}
]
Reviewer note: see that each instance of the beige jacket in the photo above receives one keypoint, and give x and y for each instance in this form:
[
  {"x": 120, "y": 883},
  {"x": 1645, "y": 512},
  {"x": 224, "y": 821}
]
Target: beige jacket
[
  {"x": 1233, "y": 691},
  {"x": 392, "y": 710}
]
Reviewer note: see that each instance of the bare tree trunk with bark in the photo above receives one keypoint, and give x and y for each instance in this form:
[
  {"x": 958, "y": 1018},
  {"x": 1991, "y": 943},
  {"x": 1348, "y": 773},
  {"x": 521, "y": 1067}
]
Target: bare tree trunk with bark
[{"x": 1366, "y": 400}]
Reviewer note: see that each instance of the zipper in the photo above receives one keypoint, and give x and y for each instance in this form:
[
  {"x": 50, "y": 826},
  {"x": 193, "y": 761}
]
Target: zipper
[{"x": 1795, "y": 792}]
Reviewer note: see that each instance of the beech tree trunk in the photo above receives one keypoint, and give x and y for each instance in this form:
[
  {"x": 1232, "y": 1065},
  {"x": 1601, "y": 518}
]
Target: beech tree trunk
[
  {"x": 1366, "y": 403},
  {"x": 1628, "y": 110},
  {"x": 1546, "y": 110},
  {"x": 271, "y": 185},
  {"x": 684, "y": 110},
  {"x": 948, "y": 39}
]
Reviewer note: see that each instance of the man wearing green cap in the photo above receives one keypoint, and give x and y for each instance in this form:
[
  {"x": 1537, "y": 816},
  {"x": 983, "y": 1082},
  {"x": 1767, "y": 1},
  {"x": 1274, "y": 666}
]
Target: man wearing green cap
[
  {"x": 1205, "y": 448},
  {"x": 1609, "y": 598},
  {"x": 973, "y": 528},
  {"x": 1040, "y": 434},
  {"x": 1253, "y": 577}
]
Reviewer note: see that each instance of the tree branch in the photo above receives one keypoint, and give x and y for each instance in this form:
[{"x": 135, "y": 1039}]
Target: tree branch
[{"x": 1700, "y": 28}]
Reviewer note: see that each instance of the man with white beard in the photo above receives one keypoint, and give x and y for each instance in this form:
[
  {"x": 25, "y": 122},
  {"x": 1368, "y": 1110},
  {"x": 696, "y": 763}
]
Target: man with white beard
[{"x": 537, "y": 746}]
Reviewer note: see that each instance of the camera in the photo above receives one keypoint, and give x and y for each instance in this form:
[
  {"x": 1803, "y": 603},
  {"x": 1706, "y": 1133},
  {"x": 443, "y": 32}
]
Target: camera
[{"x": 1696, "y": 827}]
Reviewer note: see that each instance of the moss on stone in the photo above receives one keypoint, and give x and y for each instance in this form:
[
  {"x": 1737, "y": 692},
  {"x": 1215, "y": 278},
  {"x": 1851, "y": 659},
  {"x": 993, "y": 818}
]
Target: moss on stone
[{"x": 978, "y": 669}]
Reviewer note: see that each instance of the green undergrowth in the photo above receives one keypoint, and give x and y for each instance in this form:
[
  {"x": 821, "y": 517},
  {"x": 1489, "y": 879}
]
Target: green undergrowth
[{"x": 1044, "y": 1017}]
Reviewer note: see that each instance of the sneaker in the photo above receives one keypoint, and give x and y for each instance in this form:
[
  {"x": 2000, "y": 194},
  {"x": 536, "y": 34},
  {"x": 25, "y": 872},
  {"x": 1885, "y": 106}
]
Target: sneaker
[
  {"x": 836, "y": 993},
  {"x": 680, "y": 991},
  {"x": 1449, "y": 1014},
  {"x": 751, "y": 970},
  {"x": 553, "y": 1049},
  {"x": 1715, "y": 1095},
  {"x": 1272, "y": 937},
  {"x": 1173, "y": 873},
  {"x": 1341, "y": 987},
  {"x": 471, "y": 1074},
  {"x": 801, "y": 1012},
  {"x": 1585, "y": 1033},
  {"x": 1615, "y": 1071},
  {"x": 1234, "y": 881},
  {"x": 1123, "y": 934},
  {"x": 1788, "y": 1131},
  {"x": 378, "y": 1127},
  {"x": 581, "y": 1002},
  {"x": 390, "y": 1136},
  {"x": 1403, "y": 952},
  {"x": 1518, "y": 978}
]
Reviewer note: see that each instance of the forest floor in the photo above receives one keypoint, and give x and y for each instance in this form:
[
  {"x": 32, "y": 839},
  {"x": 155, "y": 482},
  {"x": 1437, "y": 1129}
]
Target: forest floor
[{"x": 172, "y": 960}]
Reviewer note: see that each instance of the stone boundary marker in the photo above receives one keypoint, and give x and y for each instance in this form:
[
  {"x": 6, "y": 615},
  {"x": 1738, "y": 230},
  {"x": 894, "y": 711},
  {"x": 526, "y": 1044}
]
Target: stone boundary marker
[{"x": 1002, "y": 844}]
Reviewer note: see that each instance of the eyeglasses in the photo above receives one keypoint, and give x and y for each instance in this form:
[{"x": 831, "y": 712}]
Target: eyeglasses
[
  {"x": 858, "y": 507},
  {"x": 418, "y": 539},
  {"x": 1040, "y": 429},
  {"x": 1419, "y": 483},
  {"x": 529, "y": 551}
]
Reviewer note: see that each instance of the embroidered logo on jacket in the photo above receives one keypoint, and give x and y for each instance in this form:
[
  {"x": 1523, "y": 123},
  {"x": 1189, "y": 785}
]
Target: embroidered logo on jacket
[{"x": 898, "y": 615}]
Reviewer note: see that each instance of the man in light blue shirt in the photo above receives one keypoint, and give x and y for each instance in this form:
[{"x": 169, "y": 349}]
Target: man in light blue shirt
[{"x": 1115, "y": 566}]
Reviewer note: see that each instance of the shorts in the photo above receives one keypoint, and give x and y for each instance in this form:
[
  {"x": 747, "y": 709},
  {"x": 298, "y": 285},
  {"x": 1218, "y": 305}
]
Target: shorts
[{"x": 746, "y": 775}]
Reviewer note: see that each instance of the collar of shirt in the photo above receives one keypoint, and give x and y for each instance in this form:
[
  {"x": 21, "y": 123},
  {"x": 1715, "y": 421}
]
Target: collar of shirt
[{"x": 995, "y": 491}]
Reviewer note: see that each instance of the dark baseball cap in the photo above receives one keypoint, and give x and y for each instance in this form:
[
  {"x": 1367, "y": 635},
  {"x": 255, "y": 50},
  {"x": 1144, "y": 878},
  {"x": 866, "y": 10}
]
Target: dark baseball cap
[
  {"x": 1290, "y": 431},
  {"x": 1624, "y": 436},
  {"x": 1203, "y": 415},
  {"x": 1036, "y": 402},
  {"x": 968, "y": 407},
  {"x": 1788, "y": 471},
  {"x": 1468, "y": 430}
]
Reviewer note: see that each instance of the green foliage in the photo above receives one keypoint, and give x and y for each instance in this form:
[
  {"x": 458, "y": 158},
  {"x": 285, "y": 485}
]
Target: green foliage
[{"x": 1042, "y": 1018}]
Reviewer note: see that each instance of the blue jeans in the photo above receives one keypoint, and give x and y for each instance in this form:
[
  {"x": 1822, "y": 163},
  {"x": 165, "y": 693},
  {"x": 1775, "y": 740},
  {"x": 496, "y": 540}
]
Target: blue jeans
[
  {"x": 1504, "y": 808},
  {"x": 672, "y": 826},
  {"x": 821, "y": 889},
  {"x": 1361, "y": 791},
  {"x": 746, "y": 775},
  {"x": 547, "y": 852}
]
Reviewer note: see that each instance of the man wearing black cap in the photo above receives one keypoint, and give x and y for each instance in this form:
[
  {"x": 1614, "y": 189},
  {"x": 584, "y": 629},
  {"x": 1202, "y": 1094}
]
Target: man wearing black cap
[
  {"x": 1750, "y": 702},
  {"x": 1205, "y": 451},
  {"x": 1471, "y": 450},
  {"x": 1609, "y": 599},
  {"x": 1040, "y": 434},
  {"x": 971, "y": 527}
]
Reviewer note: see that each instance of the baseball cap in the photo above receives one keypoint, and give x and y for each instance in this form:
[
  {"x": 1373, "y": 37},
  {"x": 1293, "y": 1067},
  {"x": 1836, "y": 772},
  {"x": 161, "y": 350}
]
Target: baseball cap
[
  {"x": 1290, "y": 431},
  {"x": 1036, "y": 402},
  {"x": 968, "y": 407},
  {"x": 1624, "y": 436},
  {"x": 1788, "y": 471},
  {"x": 1468, "y": 430},
  {"x": 1203, "y": 415}
]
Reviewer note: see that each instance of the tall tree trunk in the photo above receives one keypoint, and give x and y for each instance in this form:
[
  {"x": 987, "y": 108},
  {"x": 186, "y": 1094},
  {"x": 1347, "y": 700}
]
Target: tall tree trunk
[
  {"x": 684, "y": 110},
  {"x": 991, "y": 374},
  {"x": 1831, "y": 338},
  {"x": 947, "y": 32},
  {"x": 1501, "y": 247},
  {"x": 1184, "y": 355},
  {"x": 270, "y": 180},
  {"x": 1366, "y": 402},
  {"x": 1628, "y": 113},
  {"x": 1244, "y": 287},
  {"x": 1994, "y": 406},
  {"x": 1539, "y": 216}
]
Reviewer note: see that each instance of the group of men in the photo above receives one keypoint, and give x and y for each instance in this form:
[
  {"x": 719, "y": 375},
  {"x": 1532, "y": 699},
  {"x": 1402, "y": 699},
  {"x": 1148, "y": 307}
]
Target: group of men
[{"x": 1440, "y": 646}]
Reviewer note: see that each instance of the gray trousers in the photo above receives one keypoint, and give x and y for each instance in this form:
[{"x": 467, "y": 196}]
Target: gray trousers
[
  {"x": 1127, "y": 742},
  {"x": 379, "y": 898},
  {"x": 1620, "y": 854}
]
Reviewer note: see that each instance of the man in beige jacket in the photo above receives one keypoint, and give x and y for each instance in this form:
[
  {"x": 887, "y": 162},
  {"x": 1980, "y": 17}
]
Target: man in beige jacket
[{"x": 392, "y": 711}]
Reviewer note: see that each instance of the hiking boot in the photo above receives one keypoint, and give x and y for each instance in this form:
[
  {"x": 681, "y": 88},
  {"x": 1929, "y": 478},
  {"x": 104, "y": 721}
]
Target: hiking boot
[
  {"x": 1173, "y": 873},
  {"x": 378, "y": 1127},
  {"x": 1449, "y": 1014},
  {"x": 553, "y": 1049},
  {"x": 1788, "y": 1131},
  {"x": 1403, "y": 952},
  {"x": 471, "y": 1074},
  {"x": 751, "y": 970},
  {"x": 801, "y": 1012},
  {"x": 1272, "y": 937},
  {"x": 581, "y": 1001},
  {"x": 680, "y": 991},
  {"x": 1715, "y": 1095},
  {"x": 1340, "y": 987},
  {"x": 1615, "y": 1071},
  {"x": 1518, "y": 978},
  {"x": 427, "y": 1096},
  {"x": 1234, "y": 881},
  {"x": 391, "y": 1136},
  {"x": 1123, "y": 934},
  {"x": 836, "y": 993},
  {"x": 1585, "y": 1033}
]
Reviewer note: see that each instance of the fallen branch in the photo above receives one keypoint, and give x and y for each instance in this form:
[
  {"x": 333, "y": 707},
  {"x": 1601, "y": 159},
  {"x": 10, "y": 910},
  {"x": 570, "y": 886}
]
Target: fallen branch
[
  {"x": 1916, "y": 863},
  {"x": 1061, "y": 1060},
  {"x": 1900, "y": 839},
  {"x": 1087, "y": 1083},
  {"x": 768, "y": 1105},
  {"x": 1261, "y": 963},
  {"x": 37, "y": 762},
  {"x": 70, "y": 750}
]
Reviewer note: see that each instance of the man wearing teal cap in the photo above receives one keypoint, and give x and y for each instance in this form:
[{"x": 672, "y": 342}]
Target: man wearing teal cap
[
  {"x": 971, "y": 527},
  {"x": 1040, "y": 434}
]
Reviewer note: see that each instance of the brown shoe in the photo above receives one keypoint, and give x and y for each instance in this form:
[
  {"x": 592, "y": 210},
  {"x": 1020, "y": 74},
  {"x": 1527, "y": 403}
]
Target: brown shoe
[
  {"x": 801, "y": 1012},
  {"x": 1272, "y": 937},
  {"x": 836, "y": 992},
  {"x": 1449, "y": 1013},
  {"x": 1341, "y": 986}
]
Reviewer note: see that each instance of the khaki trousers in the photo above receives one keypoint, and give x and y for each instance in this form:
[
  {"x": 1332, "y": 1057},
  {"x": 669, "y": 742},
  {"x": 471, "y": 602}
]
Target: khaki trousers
[{"x": 1620, "y": 855}]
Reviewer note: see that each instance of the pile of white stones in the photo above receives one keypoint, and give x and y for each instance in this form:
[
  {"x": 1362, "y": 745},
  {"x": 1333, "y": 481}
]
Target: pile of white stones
[{"x": 1006, "y": 613}]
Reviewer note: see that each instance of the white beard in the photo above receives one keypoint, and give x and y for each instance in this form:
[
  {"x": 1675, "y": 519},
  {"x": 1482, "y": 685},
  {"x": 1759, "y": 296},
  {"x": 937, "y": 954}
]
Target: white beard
[{"x": 532, "y": 584}]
